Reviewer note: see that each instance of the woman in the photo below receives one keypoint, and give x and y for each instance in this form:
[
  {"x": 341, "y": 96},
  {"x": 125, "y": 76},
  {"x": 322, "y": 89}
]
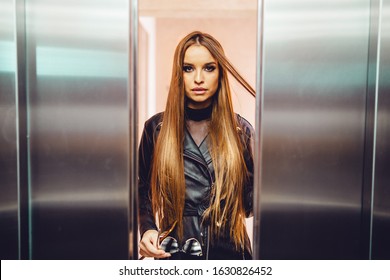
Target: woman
[{"x": 195, "y": 162}]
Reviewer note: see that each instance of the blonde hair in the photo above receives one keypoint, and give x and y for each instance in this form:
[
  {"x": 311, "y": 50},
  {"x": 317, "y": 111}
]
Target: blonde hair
[{"x": 226, "y": 210}]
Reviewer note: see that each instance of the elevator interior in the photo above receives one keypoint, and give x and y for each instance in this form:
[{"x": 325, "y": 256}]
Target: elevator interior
[{"x": 73, "y": 99}]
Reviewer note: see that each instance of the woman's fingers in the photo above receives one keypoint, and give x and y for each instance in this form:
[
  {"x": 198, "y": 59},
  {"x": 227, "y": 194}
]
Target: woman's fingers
[
  {"x": 158, "y": 255},
  {"x": 148, "y": 246}
]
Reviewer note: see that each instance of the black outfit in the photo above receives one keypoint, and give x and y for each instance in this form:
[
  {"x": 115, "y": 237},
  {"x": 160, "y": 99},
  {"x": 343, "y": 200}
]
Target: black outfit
[{"x": 199, "y": 177}]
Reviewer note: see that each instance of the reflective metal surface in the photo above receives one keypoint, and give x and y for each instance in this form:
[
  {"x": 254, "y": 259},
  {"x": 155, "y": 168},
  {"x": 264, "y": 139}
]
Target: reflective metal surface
[
  {"x": 313, "y": 126},
  {"x": 9, "y": 228},
  {"x": 258, "y": 152},
  {"x": 381, "y": 202},
  {"x": 369, "y": 150},
  {"x": 133, "y": 130},
  {"x": 22, "y": 131},
  {"x": 78, "y": 69}
]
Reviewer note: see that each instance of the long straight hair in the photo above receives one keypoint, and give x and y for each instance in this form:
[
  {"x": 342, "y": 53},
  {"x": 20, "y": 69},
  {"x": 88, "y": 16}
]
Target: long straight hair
[{"x": 226, "y": 211}]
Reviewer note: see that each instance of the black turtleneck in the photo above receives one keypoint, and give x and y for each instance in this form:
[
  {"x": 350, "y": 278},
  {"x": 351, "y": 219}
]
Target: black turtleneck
[{"x": 198, "y": 114}]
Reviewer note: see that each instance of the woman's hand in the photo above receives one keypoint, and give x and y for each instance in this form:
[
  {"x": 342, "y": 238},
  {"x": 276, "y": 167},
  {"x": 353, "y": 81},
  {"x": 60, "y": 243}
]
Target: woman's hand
[{"x": 148, "y": 246}]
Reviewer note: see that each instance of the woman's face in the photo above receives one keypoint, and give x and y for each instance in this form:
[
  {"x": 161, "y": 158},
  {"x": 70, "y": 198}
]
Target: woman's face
[{"x": 200, "y": 75}]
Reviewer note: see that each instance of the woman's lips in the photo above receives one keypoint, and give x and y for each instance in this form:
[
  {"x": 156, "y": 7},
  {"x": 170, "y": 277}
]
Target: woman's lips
[{"x": 199, "y": 90}]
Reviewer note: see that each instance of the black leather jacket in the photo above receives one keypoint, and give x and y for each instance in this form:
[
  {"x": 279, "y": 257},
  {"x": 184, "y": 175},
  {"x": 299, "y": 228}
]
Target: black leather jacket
[{"x": 199, "y": 177}]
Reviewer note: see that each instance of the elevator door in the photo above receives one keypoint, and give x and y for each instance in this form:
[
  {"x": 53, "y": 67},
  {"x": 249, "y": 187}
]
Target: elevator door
[
  {"x": 9, "y": 229},
  {"x": 67, "y": 129},
  {"x": 317, "y": 131}
]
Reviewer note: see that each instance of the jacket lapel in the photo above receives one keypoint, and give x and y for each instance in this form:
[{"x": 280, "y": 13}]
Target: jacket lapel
[
  {"x": 200, "y": 153},
  {"x": 191, "y": 149}
]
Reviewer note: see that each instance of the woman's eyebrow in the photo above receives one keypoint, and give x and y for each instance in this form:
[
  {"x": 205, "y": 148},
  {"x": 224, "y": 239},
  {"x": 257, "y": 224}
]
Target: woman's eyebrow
[
  {"x": 207, "y": 63},
  {"x": 210, "y": 63}
]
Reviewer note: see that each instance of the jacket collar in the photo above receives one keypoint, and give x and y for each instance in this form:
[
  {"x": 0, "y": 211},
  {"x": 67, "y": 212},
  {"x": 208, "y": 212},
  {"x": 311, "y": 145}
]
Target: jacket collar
[{"x": 200, "y": 153}]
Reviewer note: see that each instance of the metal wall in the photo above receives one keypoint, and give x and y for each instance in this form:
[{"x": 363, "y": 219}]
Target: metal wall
[
  {"x": 318, "y": 148},
  {"x": 9, "y": 228},
  {"x": 313, "y": 129},
  {"x": 71, "y": 134}
]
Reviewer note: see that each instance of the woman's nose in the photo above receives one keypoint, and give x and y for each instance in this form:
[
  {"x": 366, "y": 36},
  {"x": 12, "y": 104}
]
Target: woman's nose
[{"x": 198, "y": 77}]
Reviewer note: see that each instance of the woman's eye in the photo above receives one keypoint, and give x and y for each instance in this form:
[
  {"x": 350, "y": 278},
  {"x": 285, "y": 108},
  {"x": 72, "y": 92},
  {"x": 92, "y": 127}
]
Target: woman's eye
[
  {"x": 210, "y": 68},
  {"x": 187, "y": 68}
]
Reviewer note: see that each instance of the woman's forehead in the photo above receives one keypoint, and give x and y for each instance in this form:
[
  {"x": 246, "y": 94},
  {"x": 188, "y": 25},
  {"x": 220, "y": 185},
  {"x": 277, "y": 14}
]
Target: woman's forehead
[{"x": 198, "y": 54}]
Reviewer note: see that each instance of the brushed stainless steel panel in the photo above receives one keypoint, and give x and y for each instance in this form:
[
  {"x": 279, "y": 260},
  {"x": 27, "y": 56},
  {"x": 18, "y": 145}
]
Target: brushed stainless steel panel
[
  {"x": 9, "y": 248},
  {"x": 314, "y": 87},
  {"x": 381, "y": 202},
  {"x": 78, "y": 69}
]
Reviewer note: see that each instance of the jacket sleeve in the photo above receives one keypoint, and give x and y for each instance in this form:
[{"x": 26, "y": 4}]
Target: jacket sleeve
[
  {"x": 146, "y": 147},
  {"x": 248, "y": 135}
]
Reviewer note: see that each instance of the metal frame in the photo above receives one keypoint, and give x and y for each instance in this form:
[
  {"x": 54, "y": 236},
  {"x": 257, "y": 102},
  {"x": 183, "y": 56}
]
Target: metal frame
[
  {"x": 22, "y": 131},
  {"x": 133, "y": 128},
  {"x": 370, "y": 129},
  {"x": 258, "y": 125}
]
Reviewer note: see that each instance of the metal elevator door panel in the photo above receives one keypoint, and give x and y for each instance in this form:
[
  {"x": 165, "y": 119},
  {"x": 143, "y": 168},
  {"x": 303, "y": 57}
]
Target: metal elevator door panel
[
  {"x": 313, "y": 126},
  {"x": 78, "y": 124},
  {"x": 9, "y": 228}
]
